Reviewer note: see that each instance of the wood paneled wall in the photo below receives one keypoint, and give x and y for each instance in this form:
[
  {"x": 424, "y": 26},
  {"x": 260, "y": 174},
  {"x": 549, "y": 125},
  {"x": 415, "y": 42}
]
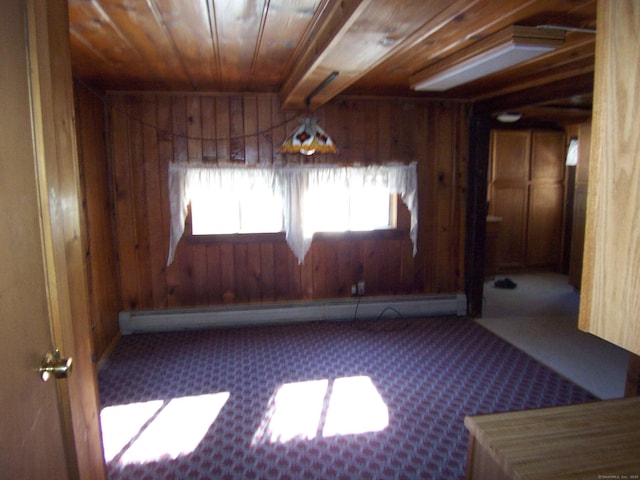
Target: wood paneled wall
[
  {"x": 97, "y": 208},
  {"x": 147, "y": 131}
]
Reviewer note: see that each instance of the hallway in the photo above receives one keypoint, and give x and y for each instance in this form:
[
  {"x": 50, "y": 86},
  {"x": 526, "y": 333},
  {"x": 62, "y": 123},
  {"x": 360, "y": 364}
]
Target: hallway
[{"x": 540, "y": 317}]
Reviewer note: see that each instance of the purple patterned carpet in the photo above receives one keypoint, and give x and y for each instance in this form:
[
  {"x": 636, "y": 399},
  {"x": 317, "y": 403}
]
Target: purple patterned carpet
[{"x": 380, "y": 399}]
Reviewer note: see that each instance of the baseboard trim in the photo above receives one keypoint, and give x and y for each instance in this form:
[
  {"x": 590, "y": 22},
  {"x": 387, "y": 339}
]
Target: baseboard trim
[
  {"x": 107, "y": 352},
  {"x": 410, "y": 306}
]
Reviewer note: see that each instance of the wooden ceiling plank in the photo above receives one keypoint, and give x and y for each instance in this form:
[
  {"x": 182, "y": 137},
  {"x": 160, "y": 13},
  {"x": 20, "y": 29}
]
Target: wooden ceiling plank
[
  {"x": 188, "y": 28},
  {"x": 237, "y": 25},
  {"x": 444, "y": 15},
  {"x": 215, "y": 41},
  {"x": 580, "y": 15},
  {"x": 160, "y": 21},
  {"x": 580, "y": 85},
  {"x": 284, "y": 26},
  {"x": 82, "y": 48},
  {"x": 155, "y": 53},
  {"x": 85, "y": 57},
  {"x": 91, "y": 27},
  {"x": 102, "y": 53},
  {"x": 553, "y": 116},
  {"x": 539, "y": 81},
  {"x": 263, "y": 21}
]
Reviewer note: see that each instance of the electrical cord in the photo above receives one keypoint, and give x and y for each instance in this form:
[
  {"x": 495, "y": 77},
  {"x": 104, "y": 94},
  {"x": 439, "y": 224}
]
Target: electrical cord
[{"x": 378, "y": 325}]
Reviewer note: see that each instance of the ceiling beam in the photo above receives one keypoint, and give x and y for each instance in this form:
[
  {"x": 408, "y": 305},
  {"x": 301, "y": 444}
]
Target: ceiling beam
[
  {"x": 564, "y": 88},
  {"x": 331, "y": 21},
  {"x": 353, "y": 37}
]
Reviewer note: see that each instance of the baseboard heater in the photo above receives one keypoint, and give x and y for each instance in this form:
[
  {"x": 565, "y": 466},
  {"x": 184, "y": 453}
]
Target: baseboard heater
[{"x": 371, "y": 308}]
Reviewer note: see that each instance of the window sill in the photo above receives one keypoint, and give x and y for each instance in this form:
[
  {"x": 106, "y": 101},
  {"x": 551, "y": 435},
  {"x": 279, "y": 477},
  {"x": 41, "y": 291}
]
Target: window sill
[{"x": 387, "y": 234}]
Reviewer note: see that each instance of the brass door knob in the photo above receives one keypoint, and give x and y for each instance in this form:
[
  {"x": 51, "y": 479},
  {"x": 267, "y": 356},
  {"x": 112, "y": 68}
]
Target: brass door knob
[{"x": 53, "y": 364}]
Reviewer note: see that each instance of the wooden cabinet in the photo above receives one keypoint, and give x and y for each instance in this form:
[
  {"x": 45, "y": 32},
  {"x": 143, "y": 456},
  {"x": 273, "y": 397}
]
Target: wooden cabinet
[
  {"x": 610, "y": 303},
  {"x": 526, "y": 190}
]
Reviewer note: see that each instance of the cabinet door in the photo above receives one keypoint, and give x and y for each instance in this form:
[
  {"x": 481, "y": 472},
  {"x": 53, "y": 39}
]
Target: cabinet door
[
  {"x": 546, "y": 199},
  {"x": 509, "y": 157},
  {"x": 547, "y": 157},
  {"x": 610, "y": 303},
  {"x": 508, "y": 193},
  {"x": 510, "y": 204},
  {"x": 544, "y": 229}
]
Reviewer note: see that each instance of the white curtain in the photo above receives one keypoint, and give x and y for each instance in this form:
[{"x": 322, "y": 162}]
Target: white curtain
[{"x": 290, "y": 183}]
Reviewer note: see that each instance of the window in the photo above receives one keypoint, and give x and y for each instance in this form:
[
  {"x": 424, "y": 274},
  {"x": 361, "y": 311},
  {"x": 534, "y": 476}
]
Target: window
[
  {"x": 244, "y": 210},
  {"x": 259, "y": 210},
  {"x": 301, "y": 200},
  {"x": 333, "y": 209}
]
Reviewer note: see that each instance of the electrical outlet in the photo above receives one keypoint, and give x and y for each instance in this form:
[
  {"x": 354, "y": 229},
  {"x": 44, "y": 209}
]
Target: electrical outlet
[
  {"x": 354, "y": 290},
  {"x": 361, "y": 288}
]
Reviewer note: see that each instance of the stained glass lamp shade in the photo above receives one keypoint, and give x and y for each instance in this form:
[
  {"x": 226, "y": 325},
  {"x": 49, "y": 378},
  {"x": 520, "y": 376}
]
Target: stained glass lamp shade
[{"x": 308, "y": 139}]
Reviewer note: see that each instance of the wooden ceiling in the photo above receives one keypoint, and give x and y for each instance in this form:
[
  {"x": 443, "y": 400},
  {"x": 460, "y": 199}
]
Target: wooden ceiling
[{"x": 292, "y": 46}]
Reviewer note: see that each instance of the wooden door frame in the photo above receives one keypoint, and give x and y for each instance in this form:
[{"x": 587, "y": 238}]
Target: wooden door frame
[{"x": 59, "y": 196}]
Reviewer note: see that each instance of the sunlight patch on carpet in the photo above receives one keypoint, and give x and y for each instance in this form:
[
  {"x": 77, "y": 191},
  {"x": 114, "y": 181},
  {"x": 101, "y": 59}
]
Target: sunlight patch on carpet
[
  {"x": 306, "y": 410},
  {"x": 294, "y": 412},
  {"x": 144, "y": 432},
  {"x": 355, "y": 407}
]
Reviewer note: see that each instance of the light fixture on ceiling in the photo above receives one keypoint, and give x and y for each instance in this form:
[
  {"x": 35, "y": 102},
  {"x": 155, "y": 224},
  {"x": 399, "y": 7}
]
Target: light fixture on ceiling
[
  {"x": 502, "y": 50},
  {"x": 309, "y": 138},
  {"x": 508, "y": 117}
]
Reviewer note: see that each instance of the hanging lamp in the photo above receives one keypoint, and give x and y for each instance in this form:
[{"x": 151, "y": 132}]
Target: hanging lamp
[{"x": 309, "y": 138}]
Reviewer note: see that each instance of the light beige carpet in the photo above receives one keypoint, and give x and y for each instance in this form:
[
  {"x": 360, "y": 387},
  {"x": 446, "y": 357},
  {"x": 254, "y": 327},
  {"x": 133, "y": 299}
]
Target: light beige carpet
[{"x": 540, "y": 317}]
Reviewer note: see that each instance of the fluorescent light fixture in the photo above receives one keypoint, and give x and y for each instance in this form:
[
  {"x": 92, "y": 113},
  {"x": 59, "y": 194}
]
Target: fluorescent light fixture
[
  {"x": 485, "y": 64},
  {"x": 506, "y": 48}
]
